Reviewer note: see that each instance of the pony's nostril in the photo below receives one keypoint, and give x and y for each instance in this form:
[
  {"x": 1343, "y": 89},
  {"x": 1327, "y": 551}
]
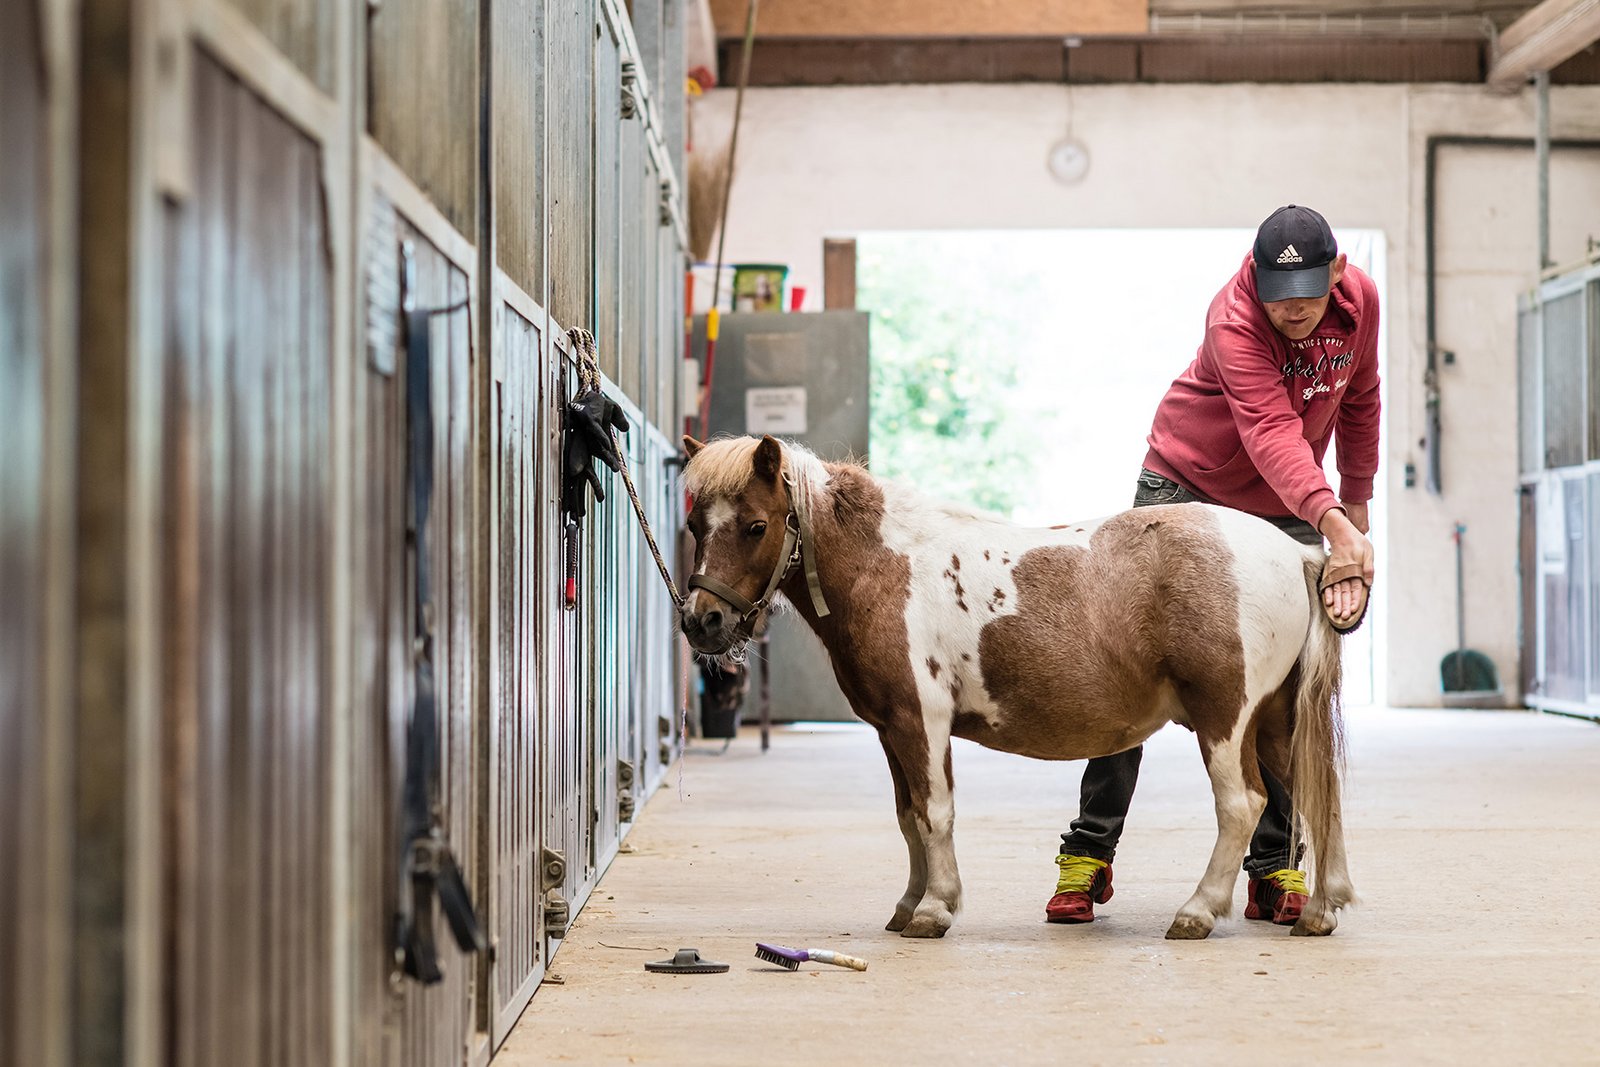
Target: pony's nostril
[{"x": 711, "y": 621}]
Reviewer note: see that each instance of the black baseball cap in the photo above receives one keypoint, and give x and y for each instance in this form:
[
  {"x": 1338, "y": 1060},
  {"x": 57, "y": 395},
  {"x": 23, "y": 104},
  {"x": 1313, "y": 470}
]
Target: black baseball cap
[{"x": 1292, "y": 252}]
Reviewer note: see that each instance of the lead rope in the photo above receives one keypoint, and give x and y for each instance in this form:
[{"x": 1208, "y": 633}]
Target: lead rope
[{"x": 589, "y": 378}]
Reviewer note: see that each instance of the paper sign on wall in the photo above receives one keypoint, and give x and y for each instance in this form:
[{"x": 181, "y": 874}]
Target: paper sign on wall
[{"x": 775, "y": 410}]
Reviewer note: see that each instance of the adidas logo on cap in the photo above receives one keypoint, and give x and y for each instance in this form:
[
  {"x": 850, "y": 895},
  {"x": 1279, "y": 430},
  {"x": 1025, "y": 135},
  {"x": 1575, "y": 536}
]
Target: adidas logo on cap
[{"x": 1289, "y": 255}]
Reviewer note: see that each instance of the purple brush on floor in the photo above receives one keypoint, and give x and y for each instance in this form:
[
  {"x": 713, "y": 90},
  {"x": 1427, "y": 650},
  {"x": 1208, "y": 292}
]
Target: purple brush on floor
[{"x": 792, "y": 958}]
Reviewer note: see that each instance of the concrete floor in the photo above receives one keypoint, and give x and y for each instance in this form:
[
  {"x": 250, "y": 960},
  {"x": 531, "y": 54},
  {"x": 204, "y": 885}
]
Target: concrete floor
[{"x": 1474, "y": 842}]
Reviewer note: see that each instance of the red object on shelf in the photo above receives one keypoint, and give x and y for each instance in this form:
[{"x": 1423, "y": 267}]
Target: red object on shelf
[{"x": 797, "y": 297}]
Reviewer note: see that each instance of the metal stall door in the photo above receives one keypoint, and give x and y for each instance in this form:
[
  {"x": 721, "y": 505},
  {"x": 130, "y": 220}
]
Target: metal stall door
[
  {"x": 571, "y": 27},
  {"x": 421, "y": 150},
  {"x": 628, "y": 579},
  {"x": 1563, "y": 504},
  {"x": 36, "y": 490},
  {"x": 605, "y": 543},
  {"x": 555, "y": 642},
  {"x": 603, "y": 594},
  {"x": 526, "y": 578},
  {"x": 438, "y": 1024},
  {"x": 566, "y": 716},
  {"x": 660, "y": 725},
  {"x": 657, "y": 625},
  {"x": 439, "y": 1020},
  {"x": 246, "y": 573},
  {"x": 636, "y": 283},
  {"x": 514, "y": 697}
]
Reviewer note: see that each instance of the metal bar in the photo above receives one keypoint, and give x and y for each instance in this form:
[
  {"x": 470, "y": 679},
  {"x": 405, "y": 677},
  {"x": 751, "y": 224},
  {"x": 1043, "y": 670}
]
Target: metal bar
[
  {"x": 1541, "y": 151},
  {"x": 766, "y": 693}
]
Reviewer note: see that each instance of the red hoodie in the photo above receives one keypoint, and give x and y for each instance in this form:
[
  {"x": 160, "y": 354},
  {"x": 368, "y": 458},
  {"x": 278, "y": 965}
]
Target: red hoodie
[{"x": 1248, "y": 423}]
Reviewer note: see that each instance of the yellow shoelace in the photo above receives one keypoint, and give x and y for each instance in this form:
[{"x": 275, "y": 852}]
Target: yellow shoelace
[
  {"x": 1290, "y": 881},
  {"x": 1077, "y": 873}
]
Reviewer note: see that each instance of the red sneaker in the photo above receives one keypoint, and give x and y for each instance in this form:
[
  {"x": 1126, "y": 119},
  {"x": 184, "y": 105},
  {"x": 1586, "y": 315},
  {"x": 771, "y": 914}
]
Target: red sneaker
[
  {"x": 1084, "y": 882},
  {"x": 1278, "y": 897}
]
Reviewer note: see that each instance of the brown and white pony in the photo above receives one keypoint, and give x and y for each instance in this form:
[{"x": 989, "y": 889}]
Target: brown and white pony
[{"x": 1059, "y": 643}]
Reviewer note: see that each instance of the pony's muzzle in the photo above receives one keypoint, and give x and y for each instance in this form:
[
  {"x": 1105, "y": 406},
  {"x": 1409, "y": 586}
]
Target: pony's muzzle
[{"x": 710, "y": 631}]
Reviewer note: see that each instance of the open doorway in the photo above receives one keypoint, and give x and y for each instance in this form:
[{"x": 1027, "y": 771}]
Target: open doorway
[{"x": 1017, "y": 371}]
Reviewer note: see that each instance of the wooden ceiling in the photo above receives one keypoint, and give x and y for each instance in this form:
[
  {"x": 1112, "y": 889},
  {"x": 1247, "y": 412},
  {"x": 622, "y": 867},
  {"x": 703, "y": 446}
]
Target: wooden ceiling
[{"x": 841, "y": 42}]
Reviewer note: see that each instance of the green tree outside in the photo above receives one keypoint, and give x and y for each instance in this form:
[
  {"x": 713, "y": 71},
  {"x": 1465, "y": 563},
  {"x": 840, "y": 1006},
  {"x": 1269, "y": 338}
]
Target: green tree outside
[{"x": 949, "y": 412}]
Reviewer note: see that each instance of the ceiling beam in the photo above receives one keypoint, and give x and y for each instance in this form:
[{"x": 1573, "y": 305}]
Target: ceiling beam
[
  {"x": 1540, "y": 40},
  {"x": 1112, "y": 60}
]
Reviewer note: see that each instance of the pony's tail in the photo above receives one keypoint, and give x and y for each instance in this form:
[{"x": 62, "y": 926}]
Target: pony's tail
[{"x": 1317, "y": 751}]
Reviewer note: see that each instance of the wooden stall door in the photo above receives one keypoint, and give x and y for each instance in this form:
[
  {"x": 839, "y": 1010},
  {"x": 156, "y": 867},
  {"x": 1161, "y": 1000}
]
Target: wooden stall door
[{"x": 246, "y": 486}]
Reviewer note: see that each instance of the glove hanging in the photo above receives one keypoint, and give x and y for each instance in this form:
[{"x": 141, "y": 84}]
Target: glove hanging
[{"x": 586, "y": 425}]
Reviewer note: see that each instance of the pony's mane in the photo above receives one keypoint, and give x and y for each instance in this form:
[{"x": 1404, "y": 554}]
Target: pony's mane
[{"x": 724, "y": 466}]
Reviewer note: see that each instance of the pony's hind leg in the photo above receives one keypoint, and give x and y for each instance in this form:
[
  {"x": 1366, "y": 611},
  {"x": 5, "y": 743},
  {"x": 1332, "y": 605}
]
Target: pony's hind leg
[
  {"x": 1240, "y": 797},
  {"x": 1331, "y": 888},
  {"x": 917, "y": 883}
]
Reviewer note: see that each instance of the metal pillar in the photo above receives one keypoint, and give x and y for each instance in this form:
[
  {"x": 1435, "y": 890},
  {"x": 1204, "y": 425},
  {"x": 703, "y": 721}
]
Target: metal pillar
[{"x": 1541, "y": 145}]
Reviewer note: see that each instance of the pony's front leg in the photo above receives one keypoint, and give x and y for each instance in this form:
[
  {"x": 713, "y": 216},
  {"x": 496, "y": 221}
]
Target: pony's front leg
[
  {"x": 925, "y": 758},
  {"x": 917, "y": 883},
  {"x": 1239, "y": 802}
]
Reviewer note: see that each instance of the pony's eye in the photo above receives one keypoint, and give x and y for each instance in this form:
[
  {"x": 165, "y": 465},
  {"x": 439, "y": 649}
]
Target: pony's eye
[{"x": 757, "y": 529}]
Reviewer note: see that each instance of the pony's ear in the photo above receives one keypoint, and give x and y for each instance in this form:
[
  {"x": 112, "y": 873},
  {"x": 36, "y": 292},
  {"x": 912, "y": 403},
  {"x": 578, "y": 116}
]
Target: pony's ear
[
  {"x": 768, "y": 458},
  {"x": 691, "y": 446}
]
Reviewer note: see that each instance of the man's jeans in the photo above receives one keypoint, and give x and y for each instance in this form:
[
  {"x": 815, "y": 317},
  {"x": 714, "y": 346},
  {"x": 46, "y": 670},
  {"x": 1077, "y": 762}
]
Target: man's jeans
[{"x": 1108, "y": 781}]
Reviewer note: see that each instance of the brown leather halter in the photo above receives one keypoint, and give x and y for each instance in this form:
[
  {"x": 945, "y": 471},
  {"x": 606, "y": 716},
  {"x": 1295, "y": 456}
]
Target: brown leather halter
[{"x": 797, "y": 552}]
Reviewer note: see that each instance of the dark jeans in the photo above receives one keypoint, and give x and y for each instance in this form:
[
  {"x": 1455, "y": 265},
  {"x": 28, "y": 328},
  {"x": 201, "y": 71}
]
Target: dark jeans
[{"x": 1108, "y": 781}]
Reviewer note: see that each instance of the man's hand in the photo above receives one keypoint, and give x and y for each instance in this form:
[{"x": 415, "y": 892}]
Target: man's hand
[
  {"x": 1347, "y": 543},
  {"x": 1357, "y": 514}
]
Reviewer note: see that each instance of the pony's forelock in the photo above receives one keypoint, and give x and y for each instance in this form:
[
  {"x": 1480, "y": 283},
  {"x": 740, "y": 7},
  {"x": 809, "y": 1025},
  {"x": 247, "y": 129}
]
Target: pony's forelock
[{"x": 724, "y": 466}]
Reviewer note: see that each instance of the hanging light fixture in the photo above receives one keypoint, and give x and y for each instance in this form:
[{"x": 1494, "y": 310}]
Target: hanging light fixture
[{"x": 1068, "y": 158}]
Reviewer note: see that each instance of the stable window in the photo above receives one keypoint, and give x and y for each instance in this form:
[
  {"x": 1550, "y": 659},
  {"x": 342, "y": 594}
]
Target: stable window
[{"x": 1563, "y": 376}]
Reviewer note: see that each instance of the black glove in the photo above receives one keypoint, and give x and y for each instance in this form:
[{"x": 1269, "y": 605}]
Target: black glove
[{"x": 586, "y": 436}]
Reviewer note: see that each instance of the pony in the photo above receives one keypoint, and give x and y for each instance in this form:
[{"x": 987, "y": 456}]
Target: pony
[{"x": 1061, "y": 643}]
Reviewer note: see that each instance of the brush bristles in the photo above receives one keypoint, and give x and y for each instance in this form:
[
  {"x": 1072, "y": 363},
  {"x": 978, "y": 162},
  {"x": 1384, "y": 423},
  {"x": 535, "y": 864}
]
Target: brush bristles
[{"x": 764, "y": 953}]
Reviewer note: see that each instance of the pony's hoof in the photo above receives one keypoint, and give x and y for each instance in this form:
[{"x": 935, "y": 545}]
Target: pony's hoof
[
  {"x": 1189, "y": 928},
  {"x": 898, "y": 922},
  {"x": 925, "y": 926},
  {"x": 1313, "y": 926}
]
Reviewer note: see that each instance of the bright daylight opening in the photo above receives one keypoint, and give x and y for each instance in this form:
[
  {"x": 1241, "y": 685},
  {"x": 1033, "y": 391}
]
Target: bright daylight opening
[{"x": 1018, "y": 371}]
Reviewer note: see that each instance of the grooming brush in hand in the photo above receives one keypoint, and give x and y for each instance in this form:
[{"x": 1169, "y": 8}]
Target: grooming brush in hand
[{"x": 792, "y": 958}]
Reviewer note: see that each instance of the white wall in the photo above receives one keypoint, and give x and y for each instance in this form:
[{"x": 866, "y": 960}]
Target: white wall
[{"x": 841, "y": 161}]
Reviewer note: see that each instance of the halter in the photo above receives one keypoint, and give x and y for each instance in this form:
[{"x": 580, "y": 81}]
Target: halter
[{"x": 796, "y": 552}]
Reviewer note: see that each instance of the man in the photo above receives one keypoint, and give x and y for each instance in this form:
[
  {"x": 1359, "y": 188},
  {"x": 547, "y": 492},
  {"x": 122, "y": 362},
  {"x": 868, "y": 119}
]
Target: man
[{"x": 1289, "y": 360}]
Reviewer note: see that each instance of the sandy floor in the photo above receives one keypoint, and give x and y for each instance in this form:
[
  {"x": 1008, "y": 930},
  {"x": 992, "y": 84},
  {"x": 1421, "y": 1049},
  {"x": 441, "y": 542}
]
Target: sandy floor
[{"x": 1474, "y": 843}]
